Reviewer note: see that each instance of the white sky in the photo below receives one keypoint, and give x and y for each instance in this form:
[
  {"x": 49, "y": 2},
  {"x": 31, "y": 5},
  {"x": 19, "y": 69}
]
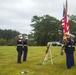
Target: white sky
[{"x": 17, "y": 14}]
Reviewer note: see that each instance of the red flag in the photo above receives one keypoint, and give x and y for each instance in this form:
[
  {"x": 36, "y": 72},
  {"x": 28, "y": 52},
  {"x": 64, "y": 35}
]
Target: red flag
[{"x": 65, "y": 21}]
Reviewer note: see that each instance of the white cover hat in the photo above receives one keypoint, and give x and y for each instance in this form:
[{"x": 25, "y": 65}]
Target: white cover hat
[
  {"x": 26, "y": 37},
  {"x": 68, "y": 34}
]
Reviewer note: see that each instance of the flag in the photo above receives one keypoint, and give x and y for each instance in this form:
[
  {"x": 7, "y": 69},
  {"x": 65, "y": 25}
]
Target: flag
[{"x": 65, "y": 21}]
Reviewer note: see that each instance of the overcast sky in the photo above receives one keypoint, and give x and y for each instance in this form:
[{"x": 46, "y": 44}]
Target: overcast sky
[{"x": 17, "y": 14}]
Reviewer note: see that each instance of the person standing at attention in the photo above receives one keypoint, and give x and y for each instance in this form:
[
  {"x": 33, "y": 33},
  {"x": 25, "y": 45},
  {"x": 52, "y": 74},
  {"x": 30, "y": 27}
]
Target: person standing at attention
[
  {"x": 25, "y": 48},
  {"x": 19, "y": 48}
]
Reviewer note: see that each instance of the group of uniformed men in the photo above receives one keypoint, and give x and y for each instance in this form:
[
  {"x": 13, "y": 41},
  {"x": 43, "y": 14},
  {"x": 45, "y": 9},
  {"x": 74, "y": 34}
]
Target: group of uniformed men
[
  {"x": 22, "y": 48},
  {"x": 68, "y": 47}
]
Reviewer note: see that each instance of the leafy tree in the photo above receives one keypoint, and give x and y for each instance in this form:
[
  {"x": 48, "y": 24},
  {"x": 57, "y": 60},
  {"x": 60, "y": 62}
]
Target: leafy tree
[{"x": 45, "y": 29}]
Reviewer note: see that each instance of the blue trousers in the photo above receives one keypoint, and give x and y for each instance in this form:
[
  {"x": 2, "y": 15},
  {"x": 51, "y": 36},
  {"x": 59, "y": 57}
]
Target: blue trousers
[
  {"x": 19, "y": 56},
  {"x": 25, "y": 55},
  {"x": 69, "y": 60}
]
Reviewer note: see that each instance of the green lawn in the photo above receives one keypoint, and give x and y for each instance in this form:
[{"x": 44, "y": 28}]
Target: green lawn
[{"x": 9, "y": 66}]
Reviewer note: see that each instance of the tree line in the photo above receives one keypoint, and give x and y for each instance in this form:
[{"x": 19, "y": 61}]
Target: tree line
[{"x": 8, "y": 37}]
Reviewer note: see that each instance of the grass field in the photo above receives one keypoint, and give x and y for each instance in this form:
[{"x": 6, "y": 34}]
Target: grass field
[{"x": 9, "y": 66}]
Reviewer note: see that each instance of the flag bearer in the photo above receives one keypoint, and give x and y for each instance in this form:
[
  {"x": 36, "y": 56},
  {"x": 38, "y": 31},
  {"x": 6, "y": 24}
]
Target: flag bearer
[
  {"x": 19, "y": 48},
  {"x": 68, "y": 51},
  {"x": 25, "y": 48}
]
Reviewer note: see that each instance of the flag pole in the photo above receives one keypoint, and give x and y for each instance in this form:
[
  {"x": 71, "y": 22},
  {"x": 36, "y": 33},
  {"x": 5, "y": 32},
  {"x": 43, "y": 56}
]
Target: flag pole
[{"x": 66, "y": 7}]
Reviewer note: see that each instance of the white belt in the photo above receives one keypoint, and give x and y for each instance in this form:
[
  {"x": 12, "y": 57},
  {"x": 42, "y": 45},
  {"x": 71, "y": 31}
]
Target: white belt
[
  {"x": 69, "y": 46},
  {"x": 25, "y": 45},
  {"x": 73, "y": 46},
  {"x": 19, "y": 44}
]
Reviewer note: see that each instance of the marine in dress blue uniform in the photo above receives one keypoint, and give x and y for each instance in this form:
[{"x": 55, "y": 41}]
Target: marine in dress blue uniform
[
  {"x": 19, "y": 48},
  {"x": 25, "y": 48},
  {"x": 69, "y": 52}
]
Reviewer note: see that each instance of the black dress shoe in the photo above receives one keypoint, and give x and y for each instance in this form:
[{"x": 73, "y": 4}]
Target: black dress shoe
[
  {"x": 19, "y": 62},
  {"x": 69, "y": 68},
  {"x": 24, "y": 60}
]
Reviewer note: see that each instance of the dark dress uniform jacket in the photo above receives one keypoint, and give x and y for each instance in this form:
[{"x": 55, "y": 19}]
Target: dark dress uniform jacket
[
  {"x": 25, "y": 45},
  {"x": 19, "y": 45},
  {"x": 69, "y": 47}
]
